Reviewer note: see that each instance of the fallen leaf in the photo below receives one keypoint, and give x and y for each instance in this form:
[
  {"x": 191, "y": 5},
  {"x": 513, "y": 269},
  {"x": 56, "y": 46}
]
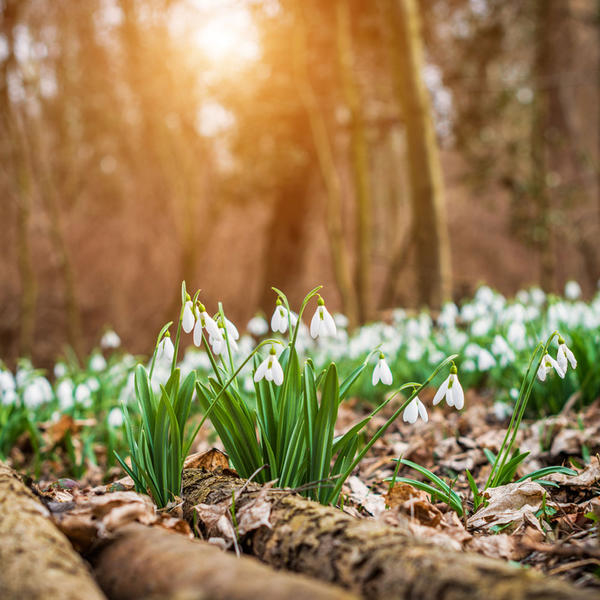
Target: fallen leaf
[{"x": 210, "y": 460}]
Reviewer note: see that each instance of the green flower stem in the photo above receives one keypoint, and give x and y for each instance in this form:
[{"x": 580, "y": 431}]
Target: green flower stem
[
  {"x": 384, "y": 427},
  {"x": 161, "y": 333},
  {"x": 518, "y": 412},
  {"x": 226, "y": 334},
  {"x": 224, "y": 387}
]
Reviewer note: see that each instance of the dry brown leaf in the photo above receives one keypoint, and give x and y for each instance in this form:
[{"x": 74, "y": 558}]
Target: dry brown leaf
[
  {"x": 210, "y": 460},
  {"x": 586, "y": 478},
  {"x": 54, "y": 431},
  {"x": 501, "y": 545},
  {"x": 400, "y": 493},
  {"x": 362, "y": 495},
  {"x": 515, "y": 503}
]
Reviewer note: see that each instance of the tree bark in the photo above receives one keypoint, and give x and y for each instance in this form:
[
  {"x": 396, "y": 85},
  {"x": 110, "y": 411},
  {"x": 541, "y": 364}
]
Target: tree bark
[
  {"x": 151, "y": 563},
  {"x": 333, "y": 187},
  {"x": 367, "y": 557},
  {"x": 37, "y": 561},
  {"x": 432, "y": 243}
]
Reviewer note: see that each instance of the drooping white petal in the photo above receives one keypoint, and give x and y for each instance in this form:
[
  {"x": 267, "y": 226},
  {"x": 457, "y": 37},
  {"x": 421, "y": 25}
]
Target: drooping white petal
[
  {"x": 277, "y": 372},
  {"x": 542, "y": 372},
  {"x": 441, "y": 391},
  {"x": 232, "y": 331},
  {"x": 198, "y": 333},
  {"x": 188, "y": 319},
  {"x": 458, "y": 394},
  {"x": 385, "y": 374},
  {"x": 422, "y": 410},
  {"x": 279, "y": 321},
  {"x": 315, "y": 323},
  {"x": 210, "y": 325},
  {"x": 411, "y": 412},
  {"x": 261, "y": 370},
  {"x": 561, "y": 357},
  {"x": 376, "y": 373},
  {"x": 571, "y": 357},
  {"x": 561, "y": 372},
  {"x": 329, "y": 323},
  {"x": 165, "y": 349}
]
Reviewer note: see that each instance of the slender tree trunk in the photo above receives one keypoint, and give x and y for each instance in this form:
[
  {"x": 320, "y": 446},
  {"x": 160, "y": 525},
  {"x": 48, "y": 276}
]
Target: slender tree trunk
[
  {"x": 543, "y": 233},
  {"x": 287, "y": 238},
  {"x": 368, "y": 557},
  {"x": 23, "y": 186},
  {"x": 37, "y": 561},
  {"x": 424, "y": 170},
  {"x": 339, "y": 257},
  {"x": 361, "y": 169}
]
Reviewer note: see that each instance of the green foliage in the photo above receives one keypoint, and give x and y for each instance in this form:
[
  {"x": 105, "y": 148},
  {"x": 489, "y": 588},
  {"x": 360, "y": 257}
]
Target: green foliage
[{"x": 160, "y": 446}]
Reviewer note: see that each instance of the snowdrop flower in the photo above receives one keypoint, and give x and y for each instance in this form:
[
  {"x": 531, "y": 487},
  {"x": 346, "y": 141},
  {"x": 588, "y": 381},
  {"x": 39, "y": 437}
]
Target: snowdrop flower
[
  {"x": 231, "y": 329},
  {"x": 257, "y": 326},
  {"x": 110, "y": 340},
  {"x": 97, "y": 362},
  {"x": 165, "y": 348},
  {"x": 115, "y": 417},
  {"x": 188, "y": 320},
  {"x": 60, "y": 370},
  {"x": 270, "y": 369},
  {"x": 414, "y": 410},
  {"x": 279, "y": 320},
  {"x": 205, "y": 321},
  {"x": 547, "y": 364},
  {"x": 64, "y": 393},
  {"x": 572, "y": 290},
  {"x": 452, "y": 390},
  {"x": 341, "y": 320},
  {"x": 322, "y": 323},
  {"x": 83, "y": 395},
  {"x": 7, "y": 381},
  {"x": 565, "y": 356},
  {"x": 485, "y": 360},
  {"x": 382, "y": 372},
  {"x": 37, "y": 392},
  {"x": 538, "y": 297}
]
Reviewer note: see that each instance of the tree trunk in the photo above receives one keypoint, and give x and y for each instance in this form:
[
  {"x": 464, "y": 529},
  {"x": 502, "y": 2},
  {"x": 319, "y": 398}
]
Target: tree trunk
[
  {"x": 287, "y": 237},
  {"x": 424, "y": 170},
  {"x": 37, "y": 561},
  {"x": 367, "y": 557},
  {"x": 361, "y": 169},
  {"x": 151, "y": 563},
  {"x": 339, "y": 258}
]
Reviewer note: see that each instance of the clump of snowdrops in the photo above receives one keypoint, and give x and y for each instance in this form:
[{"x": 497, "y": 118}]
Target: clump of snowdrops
[
  {"x": 284, "y": 430},
  {"x": 504, "y": 465}
]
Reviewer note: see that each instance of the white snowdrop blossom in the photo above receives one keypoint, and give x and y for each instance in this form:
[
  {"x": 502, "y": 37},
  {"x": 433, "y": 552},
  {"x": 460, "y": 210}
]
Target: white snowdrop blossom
[
  {"x": 546, "y": 366},
  {"x": 7, "y": 381},
  {"x": 452, "y": 390},
  {"x": 83, "y": 395},
  {"x": 110, "y": 340},
  {"x": 165, "y": 348},
  {"x": 188, "y": 320},
  {"x": 414, "y": 410},
  {"x": 572, "y": 290},
  {"x": 270, "y": 369},
  {"x": 231, "y": 329},
  {"x": 64, "y": 393},
  {"x": 205, "y": 321},
  {"x": 37, "y": 392},
  {"x": 97, "y": 362},
  {"x": 60, "y": 370},
  {"x": 564, "y": 356},
  {"x": 322, "y": 323},
  {"x": 382, "y": 372},
  {"x": 257, "y": 326},
  {"x": 115, "y": 417},
  {"x": 279, "y": 320}
]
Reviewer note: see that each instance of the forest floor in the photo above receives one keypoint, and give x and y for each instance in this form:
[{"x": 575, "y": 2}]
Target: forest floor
[{"x": 553, "y": 529}]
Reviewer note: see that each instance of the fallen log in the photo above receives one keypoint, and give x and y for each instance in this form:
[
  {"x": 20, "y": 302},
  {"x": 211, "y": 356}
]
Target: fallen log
[
  {"x": 36, "y": 560},
  {"x": 364, "y": 556},
  {"x": 152, "y": 563}
]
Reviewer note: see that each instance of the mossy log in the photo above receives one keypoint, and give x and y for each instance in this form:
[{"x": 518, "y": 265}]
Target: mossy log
[
  {"x": 367, "y": 557},
  {"x": 152, "y": 563},
  {"x": 36, "y": 560}
]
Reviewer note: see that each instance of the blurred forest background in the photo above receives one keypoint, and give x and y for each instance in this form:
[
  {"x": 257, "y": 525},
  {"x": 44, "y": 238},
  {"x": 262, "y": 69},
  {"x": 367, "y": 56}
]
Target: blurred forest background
[{"x": 397, "y": 151}]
